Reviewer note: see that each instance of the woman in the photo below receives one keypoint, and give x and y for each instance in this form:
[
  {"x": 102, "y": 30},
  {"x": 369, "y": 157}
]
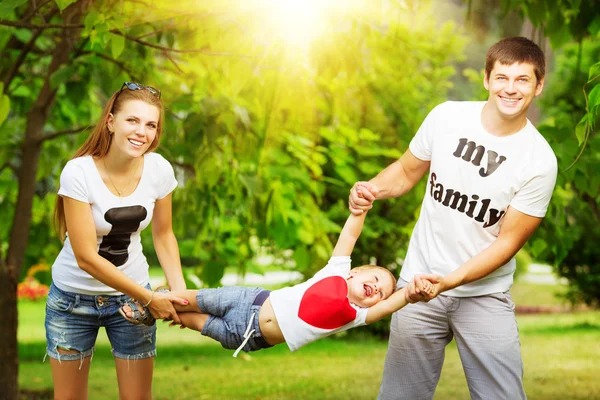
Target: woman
[{"x": 109, "y": 192}]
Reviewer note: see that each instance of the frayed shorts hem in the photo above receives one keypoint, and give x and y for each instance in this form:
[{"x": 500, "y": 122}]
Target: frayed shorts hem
[
  {"x": 140, "y": 356},
  {"x": 69, "y": 356}
]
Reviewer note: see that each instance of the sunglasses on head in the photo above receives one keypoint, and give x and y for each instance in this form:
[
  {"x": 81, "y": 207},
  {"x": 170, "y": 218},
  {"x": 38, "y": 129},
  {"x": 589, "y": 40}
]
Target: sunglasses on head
[{"x": 139, "y": 86}]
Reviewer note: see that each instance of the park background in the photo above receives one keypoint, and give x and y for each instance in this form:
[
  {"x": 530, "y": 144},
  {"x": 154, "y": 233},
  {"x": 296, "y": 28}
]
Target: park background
[{"x": 273, "y": 110}]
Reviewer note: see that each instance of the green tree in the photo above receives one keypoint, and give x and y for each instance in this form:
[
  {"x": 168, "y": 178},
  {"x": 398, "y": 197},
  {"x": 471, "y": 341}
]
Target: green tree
[
  {"x": 266, "y": 139},
  {"x": 570, "y": 232},
  {"x": 60, "y": 61}
]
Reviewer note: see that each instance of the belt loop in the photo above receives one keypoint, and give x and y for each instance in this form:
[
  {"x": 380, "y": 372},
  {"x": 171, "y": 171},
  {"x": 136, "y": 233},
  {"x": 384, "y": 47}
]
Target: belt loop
[
  {"x": 77, "y": 298},
  {"x": 261, "y": 297}
]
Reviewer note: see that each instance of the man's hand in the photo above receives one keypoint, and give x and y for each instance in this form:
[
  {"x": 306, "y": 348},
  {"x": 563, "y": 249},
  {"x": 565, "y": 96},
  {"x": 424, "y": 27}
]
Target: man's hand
[
  {"x": 362, "y": 196},
  {"x": 424, "y": 288}
]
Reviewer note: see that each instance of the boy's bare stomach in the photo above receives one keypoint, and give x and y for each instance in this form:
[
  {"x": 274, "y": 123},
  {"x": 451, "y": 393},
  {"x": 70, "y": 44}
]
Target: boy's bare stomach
[{"x": 268, "y": 324}]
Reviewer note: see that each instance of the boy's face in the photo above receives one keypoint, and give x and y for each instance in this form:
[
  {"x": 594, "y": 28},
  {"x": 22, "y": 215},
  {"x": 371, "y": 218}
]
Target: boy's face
[
  {"x": 512, "y": 88},
  {"x": 368, "y": 286}
]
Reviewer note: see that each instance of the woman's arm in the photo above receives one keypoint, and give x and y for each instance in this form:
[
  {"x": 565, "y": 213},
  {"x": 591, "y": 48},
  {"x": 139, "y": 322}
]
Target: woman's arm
[
  {"x": 82, "y": 235},
  {"x": 165, "y": 243}
]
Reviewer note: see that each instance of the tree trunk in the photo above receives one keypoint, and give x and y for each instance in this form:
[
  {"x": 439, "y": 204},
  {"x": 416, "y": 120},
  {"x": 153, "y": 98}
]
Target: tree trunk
[
  {"x": 19, "y": 235},
  {"x": 536, "y": 35}
]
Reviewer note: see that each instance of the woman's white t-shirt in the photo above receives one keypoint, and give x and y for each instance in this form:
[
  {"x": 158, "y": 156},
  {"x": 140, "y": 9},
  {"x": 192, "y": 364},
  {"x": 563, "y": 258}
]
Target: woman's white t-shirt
[{"x": 118, "y": 221}]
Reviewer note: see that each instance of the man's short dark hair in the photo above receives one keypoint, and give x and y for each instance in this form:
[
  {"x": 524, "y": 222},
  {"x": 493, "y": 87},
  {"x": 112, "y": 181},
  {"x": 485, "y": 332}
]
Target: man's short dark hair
[{"x": 516, "y": 49}]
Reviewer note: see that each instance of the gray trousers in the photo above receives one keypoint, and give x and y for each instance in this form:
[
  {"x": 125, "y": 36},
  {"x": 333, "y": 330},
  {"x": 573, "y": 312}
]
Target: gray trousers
[{"x": 487, "y": 337}]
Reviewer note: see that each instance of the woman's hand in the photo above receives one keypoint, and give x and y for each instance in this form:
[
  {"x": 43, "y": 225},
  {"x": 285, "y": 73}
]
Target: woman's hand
[{"x": 161, "y": 306}]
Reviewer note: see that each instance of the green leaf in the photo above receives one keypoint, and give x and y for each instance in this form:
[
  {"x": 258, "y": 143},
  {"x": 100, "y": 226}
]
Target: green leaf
[
  {"x": 117, "y": 45},
  {"x": 306, "y": 236},
  {"x": 594, "y": 70},
  {"x": 594, "y": 97},
  {"x": 4, "y": 108},
  {"x": 581, "y": 182},
  {"x": 212, "y": 273},
  {"x": 62, "y": 75},
  {"x": 91, "y": 20},
  {"x": 581, "y": 130},
  {"x": 539, "y": 245},
  {"x": 22, "y": 91},
  {"x": 8, "y": 5},
  {"x": 302, "y": 258},
  {"x": 62, "y": 4}
]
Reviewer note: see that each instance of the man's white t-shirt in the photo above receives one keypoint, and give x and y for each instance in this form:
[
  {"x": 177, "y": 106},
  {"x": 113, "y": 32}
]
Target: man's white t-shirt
[
  {"x": 118, "y": 221},
  {"x": 474, "y": 177},
  {"x": 318, "y": 307}
]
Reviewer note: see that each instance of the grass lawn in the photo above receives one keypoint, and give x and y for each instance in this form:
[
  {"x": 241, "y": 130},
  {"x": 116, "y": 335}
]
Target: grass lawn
[{"x": 560, "y": 351}]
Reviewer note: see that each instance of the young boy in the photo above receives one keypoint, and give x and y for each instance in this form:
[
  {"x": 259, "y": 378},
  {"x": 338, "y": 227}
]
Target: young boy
[{"x": 335, "y": 299}]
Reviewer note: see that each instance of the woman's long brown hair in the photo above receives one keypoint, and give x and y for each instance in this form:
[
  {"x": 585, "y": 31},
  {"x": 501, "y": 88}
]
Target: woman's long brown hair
[{"x": 98, "y": 143}]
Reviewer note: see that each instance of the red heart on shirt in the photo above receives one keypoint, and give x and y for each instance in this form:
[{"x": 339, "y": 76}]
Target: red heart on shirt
[{"x": 325, "y": 304}]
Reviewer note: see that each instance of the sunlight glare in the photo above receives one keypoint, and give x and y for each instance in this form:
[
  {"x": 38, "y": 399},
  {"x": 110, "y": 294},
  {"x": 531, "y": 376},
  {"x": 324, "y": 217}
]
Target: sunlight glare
[{"x": 300, "y": 21}]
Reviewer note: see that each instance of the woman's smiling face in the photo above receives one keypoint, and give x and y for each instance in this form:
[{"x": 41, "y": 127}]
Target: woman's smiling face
[{"x": 134, "y": 127}]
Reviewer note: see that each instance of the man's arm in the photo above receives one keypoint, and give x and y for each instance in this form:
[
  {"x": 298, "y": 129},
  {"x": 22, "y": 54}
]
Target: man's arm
[
  {"x": 349, "y": 235},
  {"x": 395, "y": 180},
  {"x": 516, "y": 229}
]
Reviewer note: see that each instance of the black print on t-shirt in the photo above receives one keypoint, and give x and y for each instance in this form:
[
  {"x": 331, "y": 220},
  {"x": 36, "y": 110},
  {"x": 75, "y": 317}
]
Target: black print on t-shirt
[
  {"x": 474, "y": 208},
  {"x": 124, "y": 221},
  {"x": 493, "y": 161}
]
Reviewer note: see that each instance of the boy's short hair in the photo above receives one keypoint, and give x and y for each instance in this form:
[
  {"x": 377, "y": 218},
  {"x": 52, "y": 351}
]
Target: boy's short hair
[
  {"x": 394, "y": 282},
  {"x": 516, "y": 49}
]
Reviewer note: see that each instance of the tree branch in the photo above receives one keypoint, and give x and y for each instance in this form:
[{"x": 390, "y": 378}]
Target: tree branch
[
  {"x": 112, "y": 60},
  {"x": 589, "y": 200},
  {"x": 32, "y": 12},
  {"x": 174, "y": 63},
  {"x": 8, "y": 164},
  {"x": 56, "y": 134},
  {"x": 593, "y": 205},
  {"x": 170, "y": 50},
  {"x": 19, "y": 24},
  {"x": 14, "y": 69},
  {"x": 166, "y": 28},
  {"x": 186, "y": 167}
]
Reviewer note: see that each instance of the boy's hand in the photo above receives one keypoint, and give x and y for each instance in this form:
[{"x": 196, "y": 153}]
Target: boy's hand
[
  {"x": 424, "y": 288},
  {"x": 361, "y": 197}
]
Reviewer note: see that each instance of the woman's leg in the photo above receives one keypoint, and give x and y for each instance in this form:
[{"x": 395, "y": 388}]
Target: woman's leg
[
  {"x": 71, "y": 329},
  {"x": 135, "y": 378},
  {"x": 134, "y": 349},
  {"x": 70, "y": 378}
]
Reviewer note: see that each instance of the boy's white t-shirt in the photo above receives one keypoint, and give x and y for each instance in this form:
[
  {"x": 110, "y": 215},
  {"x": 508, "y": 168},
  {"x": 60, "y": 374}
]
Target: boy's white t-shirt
[
  {"x": 474, "y": 177},
  {"x": 318, "y": 307},
  {"x": 118, "y": 221}
]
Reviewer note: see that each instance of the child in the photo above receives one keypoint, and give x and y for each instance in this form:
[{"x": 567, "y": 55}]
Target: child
[{"x": 335, "y": 299}]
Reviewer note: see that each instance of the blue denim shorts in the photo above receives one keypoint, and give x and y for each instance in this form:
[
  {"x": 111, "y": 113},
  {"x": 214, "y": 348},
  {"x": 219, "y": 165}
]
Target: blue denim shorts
[
  {"x": 73, "y": 320},
  {"x": 231, "y": 309}
]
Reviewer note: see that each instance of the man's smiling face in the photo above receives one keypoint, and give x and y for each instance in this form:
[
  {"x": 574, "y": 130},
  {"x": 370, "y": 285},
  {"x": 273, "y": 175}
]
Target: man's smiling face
[{"x": 512, "y": 88}]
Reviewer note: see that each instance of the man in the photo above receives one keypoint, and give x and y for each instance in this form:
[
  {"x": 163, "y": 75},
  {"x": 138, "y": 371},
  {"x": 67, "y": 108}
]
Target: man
[{"x": 491, "y": 177}]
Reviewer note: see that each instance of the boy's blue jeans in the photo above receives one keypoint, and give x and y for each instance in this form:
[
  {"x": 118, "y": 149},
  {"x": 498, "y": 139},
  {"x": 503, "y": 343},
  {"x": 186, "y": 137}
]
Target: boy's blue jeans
[{"x": 231, "y": 309}]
